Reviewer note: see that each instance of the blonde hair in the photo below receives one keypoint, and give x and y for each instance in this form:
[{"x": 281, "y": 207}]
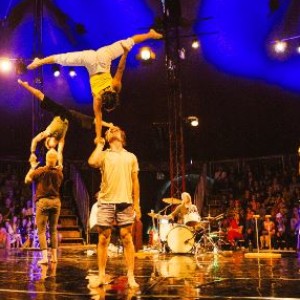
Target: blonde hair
[{"x": 185, "y": 194}]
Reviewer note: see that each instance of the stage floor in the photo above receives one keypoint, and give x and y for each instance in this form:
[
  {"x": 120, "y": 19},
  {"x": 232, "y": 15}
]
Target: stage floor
[{"x": 161, "y": 276}]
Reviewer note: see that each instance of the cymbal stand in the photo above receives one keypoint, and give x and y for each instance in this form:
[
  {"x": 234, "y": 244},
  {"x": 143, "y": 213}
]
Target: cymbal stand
[
  {"x": 256, "y": 229},
  {"x": 220, "y": 241},
  {"x": 209, "y": 218},
  {"x": 206, "y": 244},
  {"x": 164, "y": 209}
]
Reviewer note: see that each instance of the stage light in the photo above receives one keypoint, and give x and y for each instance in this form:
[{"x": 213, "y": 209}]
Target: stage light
[
  {"x": 5, "y": 65},
  {"x": 146, "y": 54},
  {"x": 298, "y": 49},
  {"x": 193, "y": 121},
  {"x": 72, "y": 72},
  {"x": 280, "y": 46},
  {"x": 195, "y": 44},
  {"x": 56, "y": 70}
]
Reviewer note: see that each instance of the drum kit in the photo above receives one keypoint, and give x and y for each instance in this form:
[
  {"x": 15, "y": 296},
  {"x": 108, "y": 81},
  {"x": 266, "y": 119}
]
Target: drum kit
[{"x": 191, "y": 236}]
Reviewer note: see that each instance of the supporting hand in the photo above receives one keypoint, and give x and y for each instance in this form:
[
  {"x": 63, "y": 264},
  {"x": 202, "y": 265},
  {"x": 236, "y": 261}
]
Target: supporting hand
[{"x": 33, "y": 161}]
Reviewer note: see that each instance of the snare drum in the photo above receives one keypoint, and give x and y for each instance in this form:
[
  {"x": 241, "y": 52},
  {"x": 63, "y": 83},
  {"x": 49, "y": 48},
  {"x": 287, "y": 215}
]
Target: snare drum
[
  {"x": 180, "y": 239},
  {"x": 192, "y": 219}
]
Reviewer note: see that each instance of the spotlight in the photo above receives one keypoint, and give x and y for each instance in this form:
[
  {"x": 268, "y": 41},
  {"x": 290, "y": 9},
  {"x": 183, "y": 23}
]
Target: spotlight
[
  {"x": 195, "y": 44},
  {"x": 56, "y": 70},
  {"x": 146, "y": 54},
  {"x": 280, "y": 46},
  {"x": 193, "y": 121},
  {"x": 298, "y": 49},
  {"x": 5, "y": 65},
  {"x": 72, "y": 72}
]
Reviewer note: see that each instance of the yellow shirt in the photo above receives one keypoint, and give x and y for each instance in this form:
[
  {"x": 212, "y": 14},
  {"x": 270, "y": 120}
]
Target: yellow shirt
[
  {"x": 116, "y": 169},
  {"x": 99, "y": 82}
]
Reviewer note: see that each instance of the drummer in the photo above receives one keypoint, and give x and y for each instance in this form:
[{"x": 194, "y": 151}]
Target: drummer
[{"x": 186, "y": 207}]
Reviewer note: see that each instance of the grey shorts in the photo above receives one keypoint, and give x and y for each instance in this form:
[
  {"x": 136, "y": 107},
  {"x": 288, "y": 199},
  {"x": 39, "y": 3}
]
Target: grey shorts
[{"x": 115, "y": 214}]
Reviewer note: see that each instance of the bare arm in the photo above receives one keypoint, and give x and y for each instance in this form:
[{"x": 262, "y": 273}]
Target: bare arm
[
  {"x": 28, "y": 177},
  {"x": 97, "y": 104},
  {"x": 42, "y": 135},
  {"x": 60, "y": 149},
  {"x": 97, "y": 155},
  {"x": 35, "y": 92},
  {"x": 173, "y": 214},
  {"x": 106, "y": 124},
  {"x": 136, "y": 194},
  {"x": 117, "y": 80}
]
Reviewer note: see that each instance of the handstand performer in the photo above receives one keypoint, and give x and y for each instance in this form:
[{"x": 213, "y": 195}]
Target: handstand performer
[
  {"x": 105, "y": 88},
  {"x": 54, "y": 134}
]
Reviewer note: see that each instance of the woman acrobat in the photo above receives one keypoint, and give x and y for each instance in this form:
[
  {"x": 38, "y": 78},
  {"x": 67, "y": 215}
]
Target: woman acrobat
[{"x": 105, "y": 88}]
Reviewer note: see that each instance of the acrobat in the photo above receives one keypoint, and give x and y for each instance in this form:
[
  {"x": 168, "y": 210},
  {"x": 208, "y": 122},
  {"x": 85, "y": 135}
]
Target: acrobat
[
  {"x": 55, "y": 133},
  {"x": 105, "y": 88}
]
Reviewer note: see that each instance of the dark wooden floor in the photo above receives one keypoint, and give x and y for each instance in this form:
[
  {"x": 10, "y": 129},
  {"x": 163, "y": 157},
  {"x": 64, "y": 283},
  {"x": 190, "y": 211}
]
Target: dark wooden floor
[{"x": 228, "y": 275}]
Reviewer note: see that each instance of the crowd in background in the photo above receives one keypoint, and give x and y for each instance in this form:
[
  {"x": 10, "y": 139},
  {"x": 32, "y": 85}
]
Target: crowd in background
[
  {"x": 268, "y": 194},
  {"x": 16, "y": 213}
]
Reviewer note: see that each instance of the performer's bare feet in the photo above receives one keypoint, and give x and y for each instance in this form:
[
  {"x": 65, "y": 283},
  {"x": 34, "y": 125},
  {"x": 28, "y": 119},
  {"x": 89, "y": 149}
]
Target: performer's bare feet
[
  {"x": 23, "y": 83},
  {"x": 36, "y": 63},
  {"x": 43, "y": 261},
  {"x": 53, "y": 259},
  {"x": 132, "y": 283},
  {"x": 155, "y": 35},
  {"x": 96, "y": 281}
]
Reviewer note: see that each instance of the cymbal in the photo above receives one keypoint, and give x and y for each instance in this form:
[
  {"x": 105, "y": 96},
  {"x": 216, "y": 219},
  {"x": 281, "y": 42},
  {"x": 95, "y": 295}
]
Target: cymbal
[
  {"x": 171, "y": 200},
  {"x": 155, "y": 215},
  {"x": 152, "y": 214},
  {"x": 209, "y": 217}
]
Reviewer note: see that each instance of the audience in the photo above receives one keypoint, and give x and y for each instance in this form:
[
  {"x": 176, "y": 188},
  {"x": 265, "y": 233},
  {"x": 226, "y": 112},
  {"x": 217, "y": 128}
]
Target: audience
[{"x": 270, "y": 193}]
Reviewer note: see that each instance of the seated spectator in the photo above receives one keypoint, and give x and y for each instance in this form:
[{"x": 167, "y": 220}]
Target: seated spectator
[
  {"x": 28, "y": 210},
  {"x": 294, "y": 228},
  {"x": 280, "y": 232},
  {"x": 250, "y": 230},
  {"x": 4, "y": 239},
  {"x": 4, "y": 236},
  {"x": 8, "y": 210},
  {"x": 235, "y": 230},
  {"x": 14, "y": 232},
  {"x": 2, "y": 223},
  {"x": 267, "y": 233},
  {"x": 30, "y": 233},
  {"x": 23, "y": 230}
]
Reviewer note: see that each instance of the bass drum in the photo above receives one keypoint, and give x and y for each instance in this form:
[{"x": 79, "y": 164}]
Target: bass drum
[{"x": 180, "y": 239}]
